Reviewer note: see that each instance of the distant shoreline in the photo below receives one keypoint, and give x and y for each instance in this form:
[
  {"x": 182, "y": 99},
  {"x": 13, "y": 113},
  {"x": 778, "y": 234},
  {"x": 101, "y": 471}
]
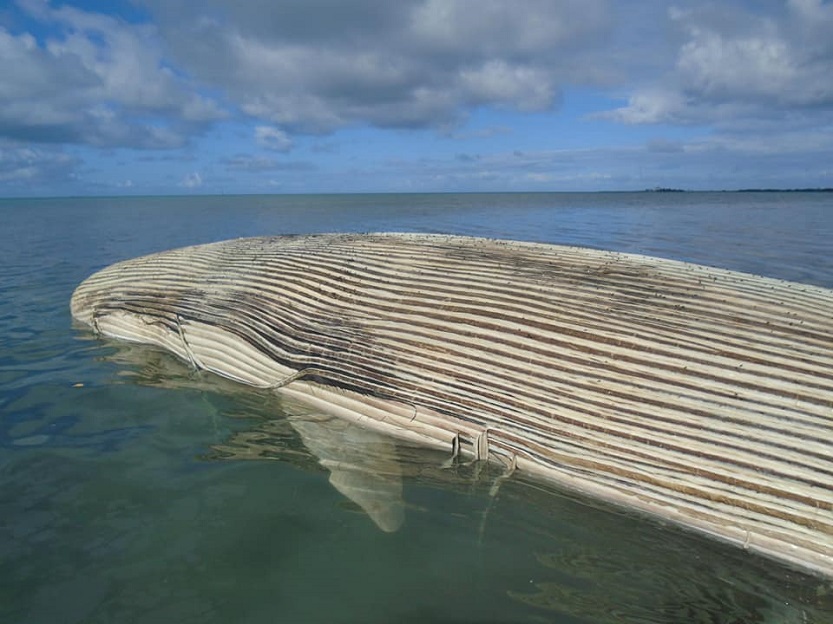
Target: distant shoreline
[
  {"x": 798, "y": 190},
  {"x": 745, "y": 190},
  {"x": 658, "y": 189}
]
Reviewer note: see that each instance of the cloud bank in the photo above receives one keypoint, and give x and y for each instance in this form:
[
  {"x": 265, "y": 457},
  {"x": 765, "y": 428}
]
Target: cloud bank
[
  {"x": 318, "y": 65},
  {"x": 733, "y": 67},
  {"x": 270, "y": 77},
  {"x": 100, "y": 81}
]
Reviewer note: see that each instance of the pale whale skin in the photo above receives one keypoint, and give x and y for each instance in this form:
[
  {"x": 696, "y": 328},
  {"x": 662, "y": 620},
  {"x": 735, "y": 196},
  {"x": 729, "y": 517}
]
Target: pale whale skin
[{"x": 696, "y": 395}]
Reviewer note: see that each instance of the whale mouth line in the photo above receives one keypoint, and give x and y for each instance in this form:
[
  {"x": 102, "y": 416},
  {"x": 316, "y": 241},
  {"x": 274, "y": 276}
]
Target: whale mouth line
[{"x": 694, "y": 394}]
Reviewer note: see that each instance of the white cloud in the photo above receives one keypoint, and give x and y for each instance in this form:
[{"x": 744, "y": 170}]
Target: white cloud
[
  {"x": 498, "y": 82},
  {"x": 736, "y": 65},
  {"x": 273, "y": 138},
  {"x": 192, "y": 180},
  {"x": 96, "y": 80},
  {"x": 262, "y": 163},
  {"x": 23, "y": 168},
  {"x": 648, "y": 106},
  {"x": 765, "y": 64}
]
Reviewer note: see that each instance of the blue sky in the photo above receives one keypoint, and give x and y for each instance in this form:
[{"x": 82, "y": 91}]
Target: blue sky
[{"x": 277, "y": 96}]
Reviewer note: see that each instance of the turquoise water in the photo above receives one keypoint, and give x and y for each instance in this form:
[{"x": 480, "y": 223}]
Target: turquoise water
[{"x": 133, "y": 490}]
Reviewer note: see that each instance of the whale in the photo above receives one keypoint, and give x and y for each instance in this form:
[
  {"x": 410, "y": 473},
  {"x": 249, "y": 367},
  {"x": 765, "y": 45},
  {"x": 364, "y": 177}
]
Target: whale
[{"x": 693, "y": 395}]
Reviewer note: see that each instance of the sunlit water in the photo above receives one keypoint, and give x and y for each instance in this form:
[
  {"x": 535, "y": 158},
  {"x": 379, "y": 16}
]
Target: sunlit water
[{"x": 133, "y": 490}]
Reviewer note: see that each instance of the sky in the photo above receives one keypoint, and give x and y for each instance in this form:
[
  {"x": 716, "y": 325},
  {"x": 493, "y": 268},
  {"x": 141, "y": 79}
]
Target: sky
[{"x": 149, "y": 97}]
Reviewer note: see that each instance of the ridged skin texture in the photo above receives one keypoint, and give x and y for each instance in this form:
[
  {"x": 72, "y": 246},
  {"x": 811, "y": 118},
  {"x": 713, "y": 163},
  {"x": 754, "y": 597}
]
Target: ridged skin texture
[{"x": 697, "y": 395}]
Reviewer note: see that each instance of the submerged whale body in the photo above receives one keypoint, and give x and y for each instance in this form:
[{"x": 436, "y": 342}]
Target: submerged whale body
[{"x": 696, "y": 395}]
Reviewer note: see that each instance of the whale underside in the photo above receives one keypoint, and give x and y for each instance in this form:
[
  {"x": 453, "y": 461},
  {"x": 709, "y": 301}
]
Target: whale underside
[{"x": 696, "y": 395}]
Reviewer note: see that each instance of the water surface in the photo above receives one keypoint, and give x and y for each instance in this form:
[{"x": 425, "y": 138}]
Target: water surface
[{"x": 134, "y": 490}]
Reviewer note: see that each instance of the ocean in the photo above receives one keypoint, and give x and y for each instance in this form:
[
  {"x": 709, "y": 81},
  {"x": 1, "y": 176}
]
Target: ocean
[{"x": 134, "y": 490}]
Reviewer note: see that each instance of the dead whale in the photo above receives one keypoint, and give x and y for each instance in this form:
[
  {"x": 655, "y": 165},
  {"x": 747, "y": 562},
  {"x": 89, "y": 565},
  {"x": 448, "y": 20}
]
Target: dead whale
[{"x": 697, "y": 395}]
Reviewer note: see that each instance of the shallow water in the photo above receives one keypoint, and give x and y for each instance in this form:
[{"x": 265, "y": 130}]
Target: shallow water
[{"x": 133, "y": 490}]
